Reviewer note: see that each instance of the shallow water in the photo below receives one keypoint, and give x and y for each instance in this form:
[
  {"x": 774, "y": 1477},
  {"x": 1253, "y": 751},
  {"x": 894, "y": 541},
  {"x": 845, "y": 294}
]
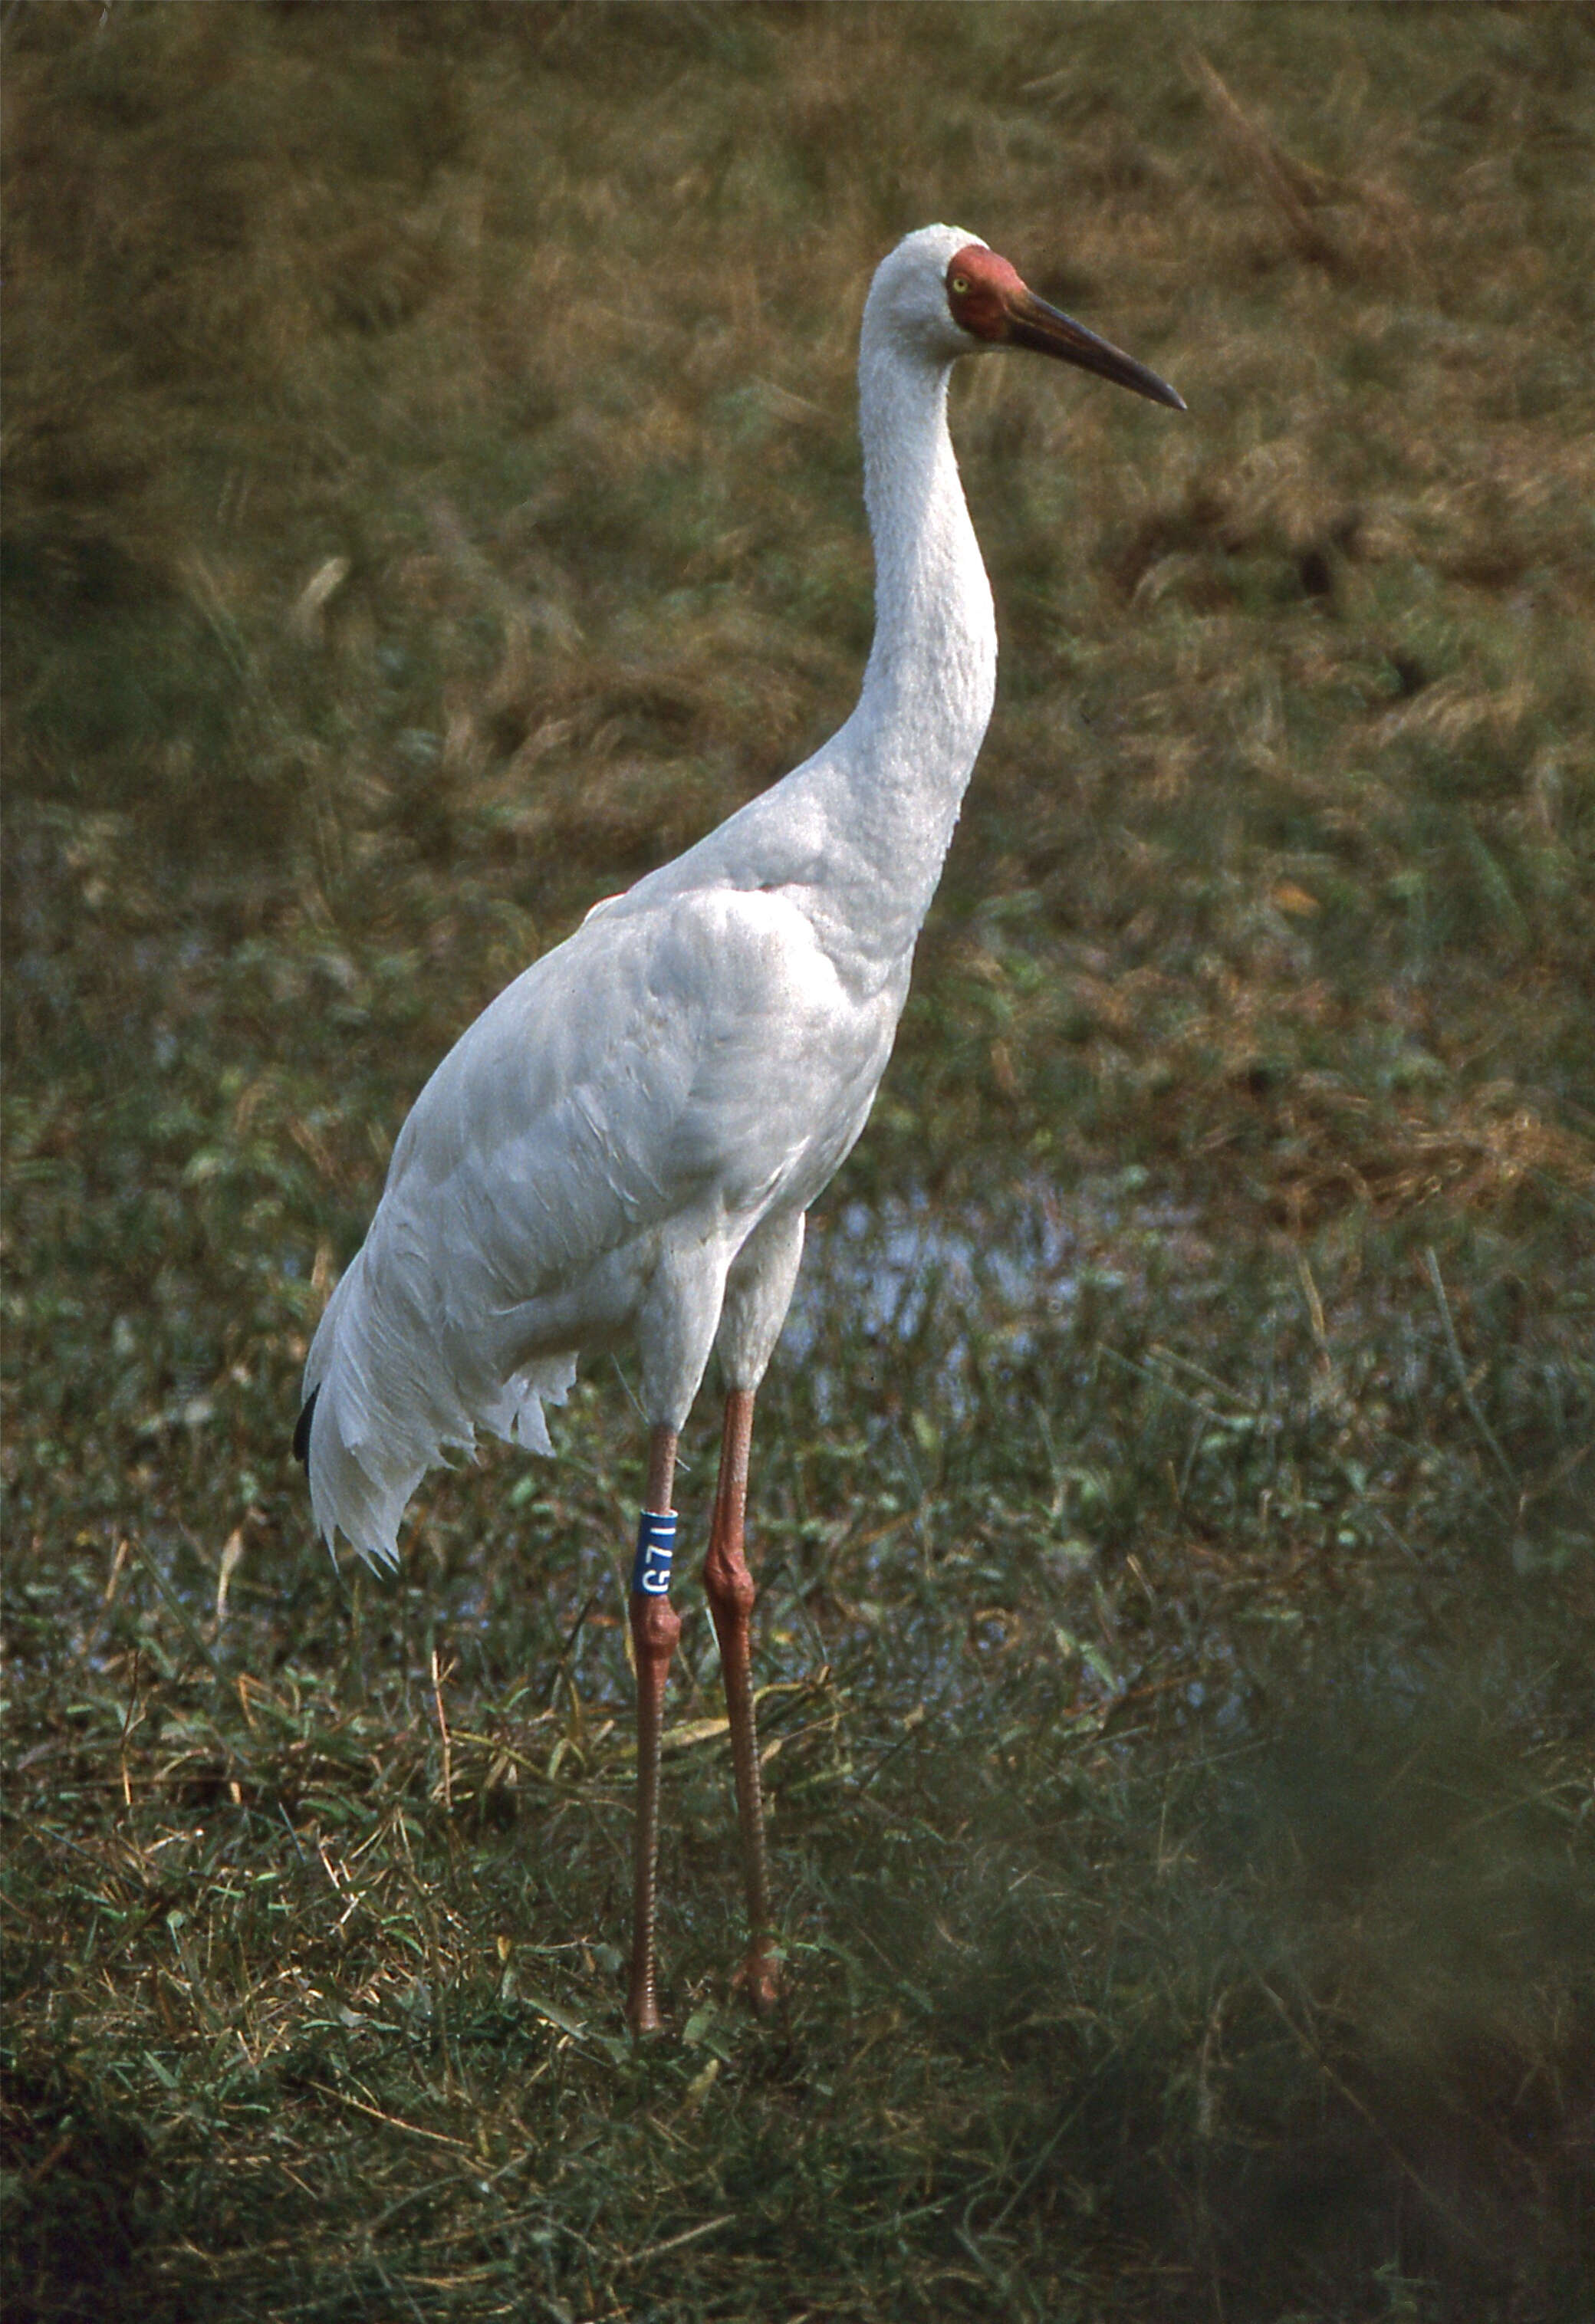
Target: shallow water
[{"x": 906, "y": 1270}]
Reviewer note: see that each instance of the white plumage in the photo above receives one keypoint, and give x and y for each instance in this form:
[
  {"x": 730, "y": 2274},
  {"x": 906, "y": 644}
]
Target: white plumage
[{"x": 623, "y": 1147}]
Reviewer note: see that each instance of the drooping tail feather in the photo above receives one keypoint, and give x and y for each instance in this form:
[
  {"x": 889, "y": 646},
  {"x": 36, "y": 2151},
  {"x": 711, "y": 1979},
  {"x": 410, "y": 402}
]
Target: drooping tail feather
[
  {"x": 301, "y": 1429},
  {"x": 385, "y": 1394}
]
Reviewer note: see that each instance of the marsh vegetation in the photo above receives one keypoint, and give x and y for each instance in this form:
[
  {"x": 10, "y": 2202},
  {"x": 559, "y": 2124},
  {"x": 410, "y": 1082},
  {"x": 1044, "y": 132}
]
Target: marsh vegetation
[{"x": 433, "y": 499}]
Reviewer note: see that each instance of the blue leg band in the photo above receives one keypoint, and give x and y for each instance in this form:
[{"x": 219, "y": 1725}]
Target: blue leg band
[{"x": 656, "y": 1545}]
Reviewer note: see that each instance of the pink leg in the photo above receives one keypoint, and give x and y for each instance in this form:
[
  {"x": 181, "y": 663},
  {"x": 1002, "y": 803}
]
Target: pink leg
[
  {"x": 731, "y": 1601},
  {"x": 655, "y": 1628}
]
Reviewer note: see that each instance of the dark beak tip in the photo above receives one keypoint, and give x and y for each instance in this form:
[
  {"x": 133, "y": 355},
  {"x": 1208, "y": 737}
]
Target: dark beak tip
[
  {"x": 1049, "y": 331},
  {"x": 1155, "y": 390}
]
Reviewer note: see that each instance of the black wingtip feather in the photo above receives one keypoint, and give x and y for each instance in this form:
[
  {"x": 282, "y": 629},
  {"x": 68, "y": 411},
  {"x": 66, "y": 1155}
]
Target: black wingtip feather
[{"x": 302, "y": 1433}]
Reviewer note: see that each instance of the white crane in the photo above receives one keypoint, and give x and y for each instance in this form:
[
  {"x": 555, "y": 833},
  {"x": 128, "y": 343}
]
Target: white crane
[{"x": 624, "y": 1145}]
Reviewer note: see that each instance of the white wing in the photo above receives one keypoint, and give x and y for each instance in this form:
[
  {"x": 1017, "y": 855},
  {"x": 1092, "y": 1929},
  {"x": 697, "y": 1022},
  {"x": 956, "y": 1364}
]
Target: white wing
[{"x": 640, "y": 1097}]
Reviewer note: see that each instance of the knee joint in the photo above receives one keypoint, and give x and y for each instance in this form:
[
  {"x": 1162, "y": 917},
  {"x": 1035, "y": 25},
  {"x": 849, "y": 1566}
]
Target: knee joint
[{"x": 729, "y": 1587}]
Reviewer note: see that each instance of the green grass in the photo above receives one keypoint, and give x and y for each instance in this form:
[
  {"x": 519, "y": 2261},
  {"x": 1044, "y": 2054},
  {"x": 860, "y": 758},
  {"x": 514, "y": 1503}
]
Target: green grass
[{"x": 433, "y": 499}]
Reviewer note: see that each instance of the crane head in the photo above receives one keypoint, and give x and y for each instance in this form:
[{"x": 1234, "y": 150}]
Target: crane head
[{"x": 988, "y": 298}]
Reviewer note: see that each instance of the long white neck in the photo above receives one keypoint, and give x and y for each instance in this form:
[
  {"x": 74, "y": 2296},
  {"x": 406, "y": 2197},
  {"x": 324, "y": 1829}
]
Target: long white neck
[
  {"x": 910, "y": 746},
  {"x": 860, "y": 831}
]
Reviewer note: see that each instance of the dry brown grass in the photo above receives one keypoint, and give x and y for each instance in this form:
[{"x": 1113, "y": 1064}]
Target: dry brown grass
[{"x": 432, "y": 499}]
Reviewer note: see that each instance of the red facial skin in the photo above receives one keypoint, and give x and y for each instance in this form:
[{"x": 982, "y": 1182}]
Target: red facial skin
[
  {"x": 982, "y": 309},
  {"x": 987, "y": 297}
]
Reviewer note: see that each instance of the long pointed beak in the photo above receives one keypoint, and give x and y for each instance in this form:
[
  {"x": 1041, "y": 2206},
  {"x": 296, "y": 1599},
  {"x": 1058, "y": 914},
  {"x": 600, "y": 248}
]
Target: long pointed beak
[{"x": 1032, "y": 323}]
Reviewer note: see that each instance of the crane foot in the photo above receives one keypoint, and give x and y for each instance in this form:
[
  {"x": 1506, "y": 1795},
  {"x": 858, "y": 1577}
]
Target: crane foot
[{"x": 759, "y": 1978}]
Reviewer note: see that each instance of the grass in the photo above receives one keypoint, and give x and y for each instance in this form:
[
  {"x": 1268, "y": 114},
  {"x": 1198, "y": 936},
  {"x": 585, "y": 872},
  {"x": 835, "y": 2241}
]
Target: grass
[{"x": 433, "y": 499}]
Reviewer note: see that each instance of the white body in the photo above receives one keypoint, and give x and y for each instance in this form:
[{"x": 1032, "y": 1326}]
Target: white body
[{"x": 623, "y": 1145}]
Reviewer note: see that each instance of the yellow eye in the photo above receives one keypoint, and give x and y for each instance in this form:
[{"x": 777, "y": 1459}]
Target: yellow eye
[{"x": 959, "y": 285}]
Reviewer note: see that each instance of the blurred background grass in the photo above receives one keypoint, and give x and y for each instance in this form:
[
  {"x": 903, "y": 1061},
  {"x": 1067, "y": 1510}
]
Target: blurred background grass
[{"x": 432, "y": 499}]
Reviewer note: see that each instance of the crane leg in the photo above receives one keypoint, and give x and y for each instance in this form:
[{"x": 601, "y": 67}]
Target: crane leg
[
  {"x": 729, "y": 1587},
  {"x": 655, "y": 1628}
]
